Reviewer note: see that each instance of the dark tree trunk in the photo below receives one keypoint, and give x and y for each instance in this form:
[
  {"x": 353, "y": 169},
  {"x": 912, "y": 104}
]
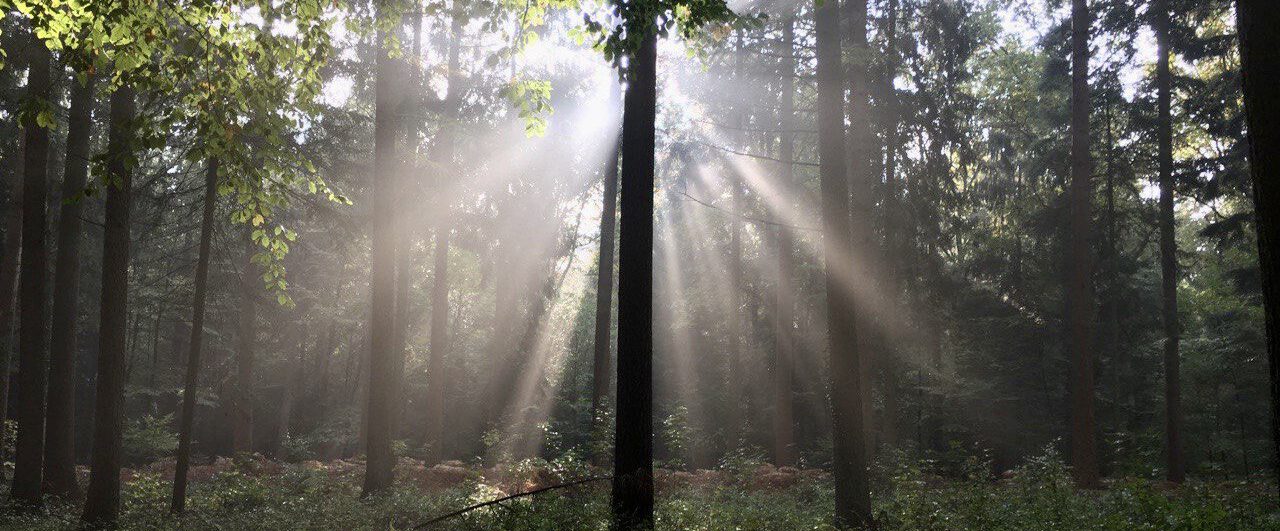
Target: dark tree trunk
[
  {"x": 102, "y": 504},
  {"x": 862, "y": 249},
  {"x": 602, "y": 360},
  {"x": 242, "y": 405},
  {"x": 1175, "y": 469},
  {"x": 1259, "y": 25},
  {"x": 1079, "y": 289},
  {"x": 853, "y": 498},
  {"x": 59, "y": 451},
  {"x": 784, "y": 437},
  {"x": 9, "y": 285},
  {"x": 633, "y": 439},
  {"x": 179, "y": 500},
  {"x": 33, "y": 339},
  {"x": 892, "y": 232},
  {"x": 384, "y": 358}
]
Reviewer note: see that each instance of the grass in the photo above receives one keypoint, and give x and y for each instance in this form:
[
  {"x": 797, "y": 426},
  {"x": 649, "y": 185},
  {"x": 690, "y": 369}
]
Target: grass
[{"x": 1038, "y": 496}]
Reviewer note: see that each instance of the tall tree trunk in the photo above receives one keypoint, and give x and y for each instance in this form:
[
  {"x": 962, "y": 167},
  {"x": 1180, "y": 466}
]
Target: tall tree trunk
[
  {"x": 862, "y": 249},
  {"x": 33, "y": 339},
  {"x": 735, "y": 360},
  {"x": 179, "y": 500},
  {"x": 1259, "y": 26},
  {"x": 784, "y": 437},
  {"x": 1175, "y": 468},
  {"x": 633, "y": 439},
  {"x": 853, "y": 497},
  {"x": 59, "y": 450},
  {"x": 437, "y": 366},
  {"x": 603, "y": 359},
  {"x": 102, "y": 504},
  {"x": 9, "y": 284},
  {"x": 247, "y": 339},
  {"x": 384, "y": 358},
  {"x": 1079, "y": 289},
  {"x": 892, "y": 247}
]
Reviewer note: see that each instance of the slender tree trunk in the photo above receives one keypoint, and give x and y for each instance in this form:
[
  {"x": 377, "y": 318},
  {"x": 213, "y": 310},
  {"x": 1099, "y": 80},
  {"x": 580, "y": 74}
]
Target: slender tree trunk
[
  {"x": 892, "y": 246},
  {"x": 1259, "y": 25},
  {"x": 59, "y": 451},
  {"x": 438, "y": 365},
  {"x": 603, "y": 359},
  {"x": 179, "y": 501},
  {"x": 863, "y": 249},
  {"x": 1084, "y": 456},
  {"x": 784, "y": 437},
  {"x": 633, "y": 439},
  {"x": 1175, "y": 469},
  {"x": 734, "y": 359},
  {"x": 242, "y": 407},
  {"x": 384, "y": 358},
  {"x": 853, "y": 498},
  {"x": 9, "y": 285},
  {"x": 33, "y": 339},
  {"x": 102, "y": 504}
]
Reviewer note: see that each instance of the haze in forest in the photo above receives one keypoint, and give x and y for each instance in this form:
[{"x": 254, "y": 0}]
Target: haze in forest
[{"x": 575, "y": 264}]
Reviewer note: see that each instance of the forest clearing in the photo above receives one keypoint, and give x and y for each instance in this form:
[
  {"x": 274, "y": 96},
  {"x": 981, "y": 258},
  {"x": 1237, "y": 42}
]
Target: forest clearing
[{"x": 640, "y": 264}]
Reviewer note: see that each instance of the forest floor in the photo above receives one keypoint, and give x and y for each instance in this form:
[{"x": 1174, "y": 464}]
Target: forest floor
[{"x": 255, "y": 493}]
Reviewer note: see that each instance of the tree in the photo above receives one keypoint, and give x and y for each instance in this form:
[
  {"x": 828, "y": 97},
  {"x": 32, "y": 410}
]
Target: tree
[
  {"x": 246, "y": 340},
  {"x": 853, "y": 499},
  {"x": 1259, "y": 21},
  {"x": 784, "y": 450},
  {"x": 59, "y": 451},
  {"x": 1079, "y": 289},
  {"x": 102, "y": 502},
  {"x": 33, "y": 339},
  {"x": 177, "y": 503},
  {"x": 602, "y": 358},
  {"x": 1175, "y": 469},
  {"x": 9, "y": 283},
  {"x": 384, "y": 358},
  {"x": 633, "y": 439}
]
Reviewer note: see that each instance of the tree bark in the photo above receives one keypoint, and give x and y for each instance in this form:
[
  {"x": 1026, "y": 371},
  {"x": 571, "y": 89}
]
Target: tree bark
[
  {"x": 9, "y": 285},
  {"x": 1259, "y": 26},
  {"x": 862, "y": 249},
  {"x": 784, "y": 437},
  {"x": 59, "y": 451},
  {"x": 33, "y": 339},
  {"x": 603, "y": 359},
  {"x": 179, "y": 500},
  {"x": 242, "y": 407},
  {"x": 1175, "y": 469},
  {"x": 1079, "y": 289},
  {"x": 633, "y": 497},
  {"x": 853, "y": 498},
  {"x": 384, "y": 358},
  {"x": 102, "y": 504}
]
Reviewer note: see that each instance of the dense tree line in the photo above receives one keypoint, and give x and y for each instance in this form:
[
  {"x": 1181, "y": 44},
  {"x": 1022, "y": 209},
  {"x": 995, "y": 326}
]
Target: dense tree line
[{"x": 846, "y": 231}]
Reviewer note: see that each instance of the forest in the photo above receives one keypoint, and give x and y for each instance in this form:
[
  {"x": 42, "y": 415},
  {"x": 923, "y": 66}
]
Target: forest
[{"x": 640, "y": 264}]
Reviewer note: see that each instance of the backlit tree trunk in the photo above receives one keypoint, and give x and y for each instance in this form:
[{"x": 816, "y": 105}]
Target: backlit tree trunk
[
  {"x": 1175, "y": 470},
  {"x": 179, "y": 500},
  {"x": 384, "y": 358},
  {"x": 33, "y": 312},
  {"x": 59, "y": 451},
  {"x": 849, "y": 460},
  {"x": 1259, "y": 25},
  {"x": 1079, "y": 288},
  {"x": 633, "y": 438},
  {"x": 784, "y": 437},
  {"x": 102, "y": 503},
  {"x": 602, "y": 361}
]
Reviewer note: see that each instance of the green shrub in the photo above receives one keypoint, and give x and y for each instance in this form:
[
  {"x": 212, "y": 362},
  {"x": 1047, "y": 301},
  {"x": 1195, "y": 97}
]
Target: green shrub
[{"x": 149, "y": 439}]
